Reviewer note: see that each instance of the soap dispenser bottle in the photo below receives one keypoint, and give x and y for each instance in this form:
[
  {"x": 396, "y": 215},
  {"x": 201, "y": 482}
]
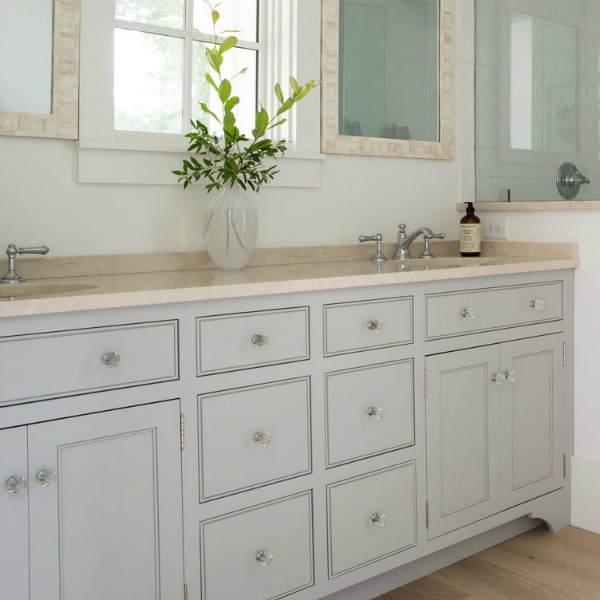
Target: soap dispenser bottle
[{"x": 470, "y": 233}]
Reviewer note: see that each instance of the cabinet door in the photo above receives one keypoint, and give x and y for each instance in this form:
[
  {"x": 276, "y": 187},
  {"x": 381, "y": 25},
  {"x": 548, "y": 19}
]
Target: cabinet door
[
  {"x": 462, "y": 407},
  {"x": 107, "y": 523},
  {"x": 532, "y": 418},
  {"x": 14, "y": 532}
]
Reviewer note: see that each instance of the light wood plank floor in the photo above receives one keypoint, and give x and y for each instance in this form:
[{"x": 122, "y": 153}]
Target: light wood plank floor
[{"x": 537, "y": 565}]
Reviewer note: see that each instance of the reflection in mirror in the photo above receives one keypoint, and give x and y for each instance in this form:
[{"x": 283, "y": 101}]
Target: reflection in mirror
[
  {"x": 388, "y": 77},
  {"x": 39, "y": 68},
  {"x": 26, "y": 56},
  {"x": 536, "y": 98}
]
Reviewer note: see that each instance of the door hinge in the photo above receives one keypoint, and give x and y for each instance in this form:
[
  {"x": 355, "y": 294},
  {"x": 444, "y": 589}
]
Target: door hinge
[
  {"x": 181, "y": 431},
  {"x": 426, "y": 515},
  {"x": 564, "y": 465},
  {"x": 564, "y": 355},
  {"x": 425, "y": 383},
  {"x": 185, "y": 591}
]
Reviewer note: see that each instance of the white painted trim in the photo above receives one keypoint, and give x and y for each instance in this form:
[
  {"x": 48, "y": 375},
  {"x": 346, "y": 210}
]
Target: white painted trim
[{"x": 585, "y": 502}]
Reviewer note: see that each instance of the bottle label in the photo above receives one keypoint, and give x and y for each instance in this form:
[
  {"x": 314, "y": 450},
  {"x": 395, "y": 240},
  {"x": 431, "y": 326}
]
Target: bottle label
[{"x": 470, "y": 237}]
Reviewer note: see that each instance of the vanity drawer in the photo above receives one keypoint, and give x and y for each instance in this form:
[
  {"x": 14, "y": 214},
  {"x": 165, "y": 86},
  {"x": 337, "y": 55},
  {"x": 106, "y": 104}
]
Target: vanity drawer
[
  {"x": 242, "y": 341},
  {"x": 369, "y": 411},
  {"x": 371, "y": 517},
  {"x": 263, "y": 552},
  {"x": 472, "y": 311},
  {"x": 367, "y": 325},
  {"x": 71, "y": 362},
  {"x": 253, "y": 436}
]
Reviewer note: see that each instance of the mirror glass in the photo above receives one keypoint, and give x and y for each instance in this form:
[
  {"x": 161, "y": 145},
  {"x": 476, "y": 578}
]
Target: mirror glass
[
  {"x": 39, "y": 68},
  {"x": 536, "y": 98},
  {"x": 387, "y": 77},
  {"x": 26, "y": 56}
]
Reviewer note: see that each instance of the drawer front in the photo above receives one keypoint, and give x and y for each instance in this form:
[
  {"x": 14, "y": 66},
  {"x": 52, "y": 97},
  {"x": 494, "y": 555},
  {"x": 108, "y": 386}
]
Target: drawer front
[
  {"x": 78, "y": 361},
  {"x": 367, "y": 325},
  {"x": 480, "y": 310},
  {"x": 263, "y": 552},
  {"x": 371, "y": 517},
  {"x": 253, "y": 436},
  {"x": 242, "y": 341},
  {"x": 369, "y": 411}
]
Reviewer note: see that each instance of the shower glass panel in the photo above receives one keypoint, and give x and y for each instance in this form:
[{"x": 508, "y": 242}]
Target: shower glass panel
[
  {"x": 537, "y": 97},
  {"x": 388, "y": 65}
]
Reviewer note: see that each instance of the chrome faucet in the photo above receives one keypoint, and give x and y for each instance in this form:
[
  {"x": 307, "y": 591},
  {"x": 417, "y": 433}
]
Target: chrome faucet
[
  {"x": 404, "y": 241},
  {"x": 12, "y": 251}
]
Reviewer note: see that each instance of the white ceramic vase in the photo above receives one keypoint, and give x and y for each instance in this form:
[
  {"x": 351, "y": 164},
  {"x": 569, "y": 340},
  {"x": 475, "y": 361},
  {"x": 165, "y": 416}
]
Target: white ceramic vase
[{"x": 230, "y": 228}]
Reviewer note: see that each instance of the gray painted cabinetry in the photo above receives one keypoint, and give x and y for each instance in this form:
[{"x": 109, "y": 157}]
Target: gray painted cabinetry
[{"x": 328, "y": 443}]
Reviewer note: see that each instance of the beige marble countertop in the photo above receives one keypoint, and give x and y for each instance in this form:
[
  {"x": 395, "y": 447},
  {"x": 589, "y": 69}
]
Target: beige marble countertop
[{"x": 89, "y": 283}]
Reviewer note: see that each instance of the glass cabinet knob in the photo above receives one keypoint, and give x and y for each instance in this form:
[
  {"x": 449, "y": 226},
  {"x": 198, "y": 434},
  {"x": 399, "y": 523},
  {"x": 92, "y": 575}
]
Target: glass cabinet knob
[
  {"x": 16, "y": 484},
  {"x": 499, "y": 378},
  {"x": 375, "y": 325},
  {"x": 46, "y": 477},
  {"x": 379, "y": 519},
  {"x": 262, "y": 438},
  {"x": 537, "y": 304},
  {"x": 375, "y": 412},
  {"x": 260, "y": 340},
  {"x": 511, "y": 376},
  {"x": 265, "y": 558},
  {"x": 468, "y": 313},
  {"x": 111, "y": 359}
]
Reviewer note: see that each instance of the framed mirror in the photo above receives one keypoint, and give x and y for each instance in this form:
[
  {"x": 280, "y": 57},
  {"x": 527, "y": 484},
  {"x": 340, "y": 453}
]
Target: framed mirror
[
  {"x": 39, "y": 68},
  {"x": 388, "y": 78}
]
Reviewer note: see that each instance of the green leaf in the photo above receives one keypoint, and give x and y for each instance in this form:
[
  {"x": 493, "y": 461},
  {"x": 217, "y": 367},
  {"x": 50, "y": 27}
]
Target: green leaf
[
  {"x": 215, "y": 16},
  {"x": 301, "y": 94},
  {"x": 231, "y": 103},
  {"x": 280, "y": 122},
  {"x": 229, "y": 122},
  {"x": 295, "y": 85},
  {"x": 262, "y": 120},
  {"x": 228, "y": 44},
  {"x": 285, "y": 106},
  {"x": 279, "y": 93},
  {"x": 225, "y": 90},
  {"x": 212, "y": 82},
  {"x": 207, "y": 110}
]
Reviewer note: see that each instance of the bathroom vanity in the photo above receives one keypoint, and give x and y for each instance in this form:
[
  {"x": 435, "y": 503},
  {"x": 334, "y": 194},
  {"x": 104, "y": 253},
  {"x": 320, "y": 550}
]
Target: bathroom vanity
[{"x": 292, "y": 432}]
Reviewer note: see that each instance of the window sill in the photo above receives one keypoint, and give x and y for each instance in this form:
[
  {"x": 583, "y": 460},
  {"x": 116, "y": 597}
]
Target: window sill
[{"x": 129, "y": 163}]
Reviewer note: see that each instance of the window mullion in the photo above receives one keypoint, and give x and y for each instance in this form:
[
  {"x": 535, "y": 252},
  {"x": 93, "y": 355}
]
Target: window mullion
[{"x": 188, "y": 68}]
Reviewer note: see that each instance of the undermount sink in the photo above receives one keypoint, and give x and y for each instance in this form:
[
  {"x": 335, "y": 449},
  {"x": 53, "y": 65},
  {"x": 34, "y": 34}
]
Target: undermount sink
[
  {"x": 445, "y": 262},
  {"x": 40, "y": 288}
]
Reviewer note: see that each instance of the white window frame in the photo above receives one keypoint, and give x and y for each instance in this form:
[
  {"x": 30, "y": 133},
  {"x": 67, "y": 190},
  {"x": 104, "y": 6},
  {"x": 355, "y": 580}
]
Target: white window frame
[{"x": 292, "y": 46}]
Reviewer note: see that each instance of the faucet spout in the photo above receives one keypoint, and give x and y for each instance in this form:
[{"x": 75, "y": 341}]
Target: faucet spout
[{"x": 404, "y": 242}]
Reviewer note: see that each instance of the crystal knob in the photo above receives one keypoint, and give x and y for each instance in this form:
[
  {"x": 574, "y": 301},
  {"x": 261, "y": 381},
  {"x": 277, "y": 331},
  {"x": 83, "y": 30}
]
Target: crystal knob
[
  {"x": 499, "y": 378},
  {"x": 375, "y": 325},
  {"x": 537, "y": 304},
  {"x": 260, "y": 340},
  {"x": 375, "y": 412},
  {"x": 46, "y": 477},
  {"x": 511, "y": 376},
  {"x": 111, "y": 359},
  {"x": 262, "y": 438},
  {"x": 468, "y": 313},
  {"x": 265, "y": 558},
  {"x": 379, "y": 519},
  {"x": 16, "y": 485}
]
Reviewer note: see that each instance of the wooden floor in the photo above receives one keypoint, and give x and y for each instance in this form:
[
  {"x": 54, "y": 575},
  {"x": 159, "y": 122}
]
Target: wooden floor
[{"x": 537, "y": 565}]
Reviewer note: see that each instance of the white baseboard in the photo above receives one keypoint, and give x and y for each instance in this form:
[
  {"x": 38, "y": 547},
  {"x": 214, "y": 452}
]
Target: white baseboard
[{"x": 585, "y": 486}]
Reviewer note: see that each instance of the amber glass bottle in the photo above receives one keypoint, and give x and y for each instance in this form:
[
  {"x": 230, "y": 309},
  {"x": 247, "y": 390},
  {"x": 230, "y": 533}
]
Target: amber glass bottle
[{"x": 470, "y": 233}]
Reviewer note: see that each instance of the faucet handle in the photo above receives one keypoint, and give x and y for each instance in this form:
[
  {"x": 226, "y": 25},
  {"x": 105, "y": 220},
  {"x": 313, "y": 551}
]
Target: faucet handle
[
  {"x": 430, "y": 236},
  {"x": 379, "y": 258}
]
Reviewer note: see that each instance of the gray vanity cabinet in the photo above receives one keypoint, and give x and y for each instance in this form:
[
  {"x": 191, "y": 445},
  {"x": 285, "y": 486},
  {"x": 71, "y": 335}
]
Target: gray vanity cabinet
[
  {"x": 494, "y": 429},
  {"x": 96, "y": 511}
]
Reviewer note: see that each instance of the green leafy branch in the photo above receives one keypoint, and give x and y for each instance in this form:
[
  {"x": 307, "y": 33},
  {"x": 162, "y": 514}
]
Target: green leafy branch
[{"x": 233, "y": 157}]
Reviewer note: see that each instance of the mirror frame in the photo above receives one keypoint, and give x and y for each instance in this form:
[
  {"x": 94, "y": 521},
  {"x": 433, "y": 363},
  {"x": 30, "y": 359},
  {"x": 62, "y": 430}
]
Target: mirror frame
[
  {"x": 63, "y": 121},
  {"x": 332, "y": 142}
]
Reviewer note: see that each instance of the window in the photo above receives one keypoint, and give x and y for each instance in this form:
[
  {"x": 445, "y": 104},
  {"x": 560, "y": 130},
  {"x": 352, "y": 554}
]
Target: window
[
  {"x": 159, "y": 64},
  {"x": 142, "y": 77}
]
